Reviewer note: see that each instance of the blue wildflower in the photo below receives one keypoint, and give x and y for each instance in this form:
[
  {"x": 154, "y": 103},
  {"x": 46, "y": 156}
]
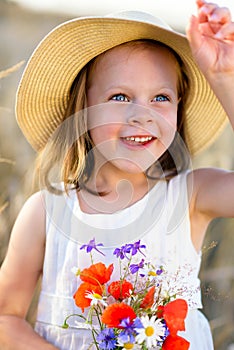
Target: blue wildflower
[
  {"x": 92, "y": 245},
  {"x": 159, "y": 272},
  {"x": 129, "y": 248},
  {"x": 106, "y": 339},
  {"x": 136, "y": 247},
  {"x": 137, "y": 323},
  {"x": 127, "y": 335},
  {"x": 121, "y": 252},
  {"x": 129, "y": 332},
  {"x": 124, "y": 338},
  {"x": 167, "y": 332},
  {"x": 134, "y": 268}
]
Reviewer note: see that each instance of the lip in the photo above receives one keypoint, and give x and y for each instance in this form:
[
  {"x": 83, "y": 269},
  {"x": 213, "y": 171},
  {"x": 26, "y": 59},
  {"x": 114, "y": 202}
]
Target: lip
[{"x": 130, "y": 143}]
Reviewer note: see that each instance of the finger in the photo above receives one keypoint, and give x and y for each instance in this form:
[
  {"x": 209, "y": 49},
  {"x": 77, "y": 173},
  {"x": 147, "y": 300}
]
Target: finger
[
  {"x": 214, "y": 17},
  {"x": 205, "y": 10},
  {"x": 193, "y": 34},
  {"x": 220, "y": 15},
  {"x": 200, "y": 3},
  {"x": 226, "y": 32}
]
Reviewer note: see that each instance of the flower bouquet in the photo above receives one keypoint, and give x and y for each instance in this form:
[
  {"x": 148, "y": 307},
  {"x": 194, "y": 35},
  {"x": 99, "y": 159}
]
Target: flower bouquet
[{"x": 133, "y": 312}]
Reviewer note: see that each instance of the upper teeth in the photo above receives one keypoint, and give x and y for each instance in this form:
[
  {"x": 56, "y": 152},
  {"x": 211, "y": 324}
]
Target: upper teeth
[{"x": 139, "y": 139}]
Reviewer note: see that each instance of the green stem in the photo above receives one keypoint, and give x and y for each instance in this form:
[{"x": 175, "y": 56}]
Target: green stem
[
  {"x": 127, "y": 268},
  {"x": 120, "y": 268},
  {"x": 66, "y": 325},
  {"x": 98, "y": 316},
  {"x": 94, "y": 339},
  {"x": 90, "y": 315},
  {"x": 134, "y": 287}
]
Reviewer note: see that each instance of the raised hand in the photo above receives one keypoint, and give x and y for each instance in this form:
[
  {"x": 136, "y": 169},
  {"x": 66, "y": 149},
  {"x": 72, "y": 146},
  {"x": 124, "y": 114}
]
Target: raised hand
[{"x": 211, "y": 37}]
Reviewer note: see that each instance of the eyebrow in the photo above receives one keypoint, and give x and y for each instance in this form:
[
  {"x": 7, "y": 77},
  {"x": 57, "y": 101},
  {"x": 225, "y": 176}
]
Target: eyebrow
[{"x": 156, "y": 88}]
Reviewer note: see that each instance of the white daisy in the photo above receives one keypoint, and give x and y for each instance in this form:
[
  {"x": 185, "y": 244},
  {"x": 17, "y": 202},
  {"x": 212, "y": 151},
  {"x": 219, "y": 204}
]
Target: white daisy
[
  {"x": 96, "y": 298},
  {"x": 152, "y": 332},
  {"x": 75, "y": 270},
  {"x": 129, "y": 346},
  {"x": 151, "y": 272}
]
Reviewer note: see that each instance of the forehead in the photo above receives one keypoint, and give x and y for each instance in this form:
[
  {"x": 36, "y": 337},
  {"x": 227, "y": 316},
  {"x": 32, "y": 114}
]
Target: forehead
[{"x": 126, "y": 51}]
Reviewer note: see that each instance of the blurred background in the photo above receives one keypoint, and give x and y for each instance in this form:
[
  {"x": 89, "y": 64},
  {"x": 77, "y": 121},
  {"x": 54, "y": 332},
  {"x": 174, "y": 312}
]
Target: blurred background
[{"x": 23, "y": 24}]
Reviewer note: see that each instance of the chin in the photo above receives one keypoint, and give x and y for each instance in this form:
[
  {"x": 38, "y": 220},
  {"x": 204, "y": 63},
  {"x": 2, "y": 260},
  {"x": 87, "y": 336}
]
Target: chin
[{"x": 130, "y": 167}]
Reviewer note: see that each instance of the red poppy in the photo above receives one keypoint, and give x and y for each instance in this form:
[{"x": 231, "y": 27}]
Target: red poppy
[
  {"x": 160, "y": 311},
  {"x": 120, "y": 289},
  {"x": 175, "y": 343},
  {"x": 174, "y": 314},
  {"x": 97, "y": 274},
  {"x": 148, "y": 300},
  {"x": 80, "y": 295},
  {"x": 115, "y": 313}
]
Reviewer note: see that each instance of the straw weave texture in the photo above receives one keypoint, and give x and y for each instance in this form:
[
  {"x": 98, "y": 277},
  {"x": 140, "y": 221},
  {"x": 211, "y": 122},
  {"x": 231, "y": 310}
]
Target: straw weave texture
[{"x": 44, "y": 88}]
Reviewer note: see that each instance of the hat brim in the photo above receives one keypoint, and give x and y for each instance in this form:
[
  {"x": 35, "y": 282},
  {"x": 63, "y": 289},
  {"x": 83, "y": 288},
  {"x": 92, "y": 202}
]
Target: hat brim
[{"x": 43, "y": 92}]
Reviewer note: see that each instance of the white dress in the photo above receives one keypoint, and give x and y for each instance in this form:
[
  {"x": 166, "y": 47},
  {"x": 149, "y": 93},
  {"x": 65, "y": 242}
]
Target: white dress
[{"x": 160, "y": 219}]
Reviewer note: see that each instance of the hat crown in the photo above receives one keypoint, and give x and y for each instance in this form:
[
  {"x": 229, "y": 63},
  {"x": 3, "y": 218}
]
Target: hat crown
[{"x": 140, "y": 16}]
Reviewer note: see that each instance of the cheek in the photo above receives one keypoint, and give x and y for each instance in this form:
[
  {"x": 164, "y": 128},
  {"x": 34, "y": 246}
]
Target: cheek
[
  {"x": 168, "y": 129},
  {"x": 104, "y": 121},
  {"x": 103, "y": 134},
  {"x": 171, "y": 118},
  {"x": 174, "y": 120}
]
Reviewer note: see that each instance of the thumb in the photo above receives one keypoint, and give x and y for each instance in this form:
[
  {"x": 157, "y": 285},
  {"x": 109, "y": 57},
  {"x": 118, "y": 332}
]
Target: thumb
[{"x": 193, "y": 34}]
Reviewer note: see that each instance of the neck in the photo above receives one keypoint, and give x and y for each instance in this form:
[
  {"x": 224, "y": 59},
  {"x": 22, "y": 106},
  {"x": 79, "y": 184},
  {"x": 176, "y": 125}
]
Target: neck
[{"x": 118, "y": 190}]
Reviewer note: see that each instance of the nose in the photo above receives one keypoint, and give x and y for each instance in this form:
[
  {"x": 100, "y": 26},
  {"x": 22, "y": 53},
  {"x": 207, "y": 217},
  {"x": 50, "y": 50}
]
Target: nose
[{"x": 140, "y": 116}]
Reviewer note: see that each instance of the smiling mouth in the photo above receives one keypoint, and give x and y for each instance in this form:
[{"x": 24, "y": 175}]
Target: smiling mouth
[{"x": 138, "y": 140}]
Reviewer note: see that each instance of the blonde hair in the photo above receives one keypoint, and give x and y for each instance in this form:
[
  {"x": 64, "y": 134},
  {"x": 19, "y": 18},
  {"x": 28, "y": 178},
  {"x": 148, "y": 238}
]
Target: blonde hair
[{"x": 68, "y": 156}]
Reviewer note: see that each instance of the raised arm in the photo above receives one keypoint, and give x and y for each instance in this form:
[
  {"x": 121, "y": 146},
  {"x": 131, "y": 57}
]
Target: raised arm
[
  {"x": 211, "y": 37},
  {"x": 19, "y": 275}
]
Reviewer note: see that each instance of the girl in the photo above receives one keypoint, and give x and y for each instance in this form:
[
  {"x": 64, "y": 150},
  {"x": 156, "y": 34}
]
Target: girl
[{"x": 110, "y": 103}]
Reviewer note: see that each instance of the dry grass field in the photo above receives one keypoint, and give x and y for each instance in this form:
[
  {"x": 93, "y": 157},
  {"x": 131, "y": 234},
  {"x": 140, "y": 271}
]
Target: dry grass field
[{"x": 20, "y": 31}]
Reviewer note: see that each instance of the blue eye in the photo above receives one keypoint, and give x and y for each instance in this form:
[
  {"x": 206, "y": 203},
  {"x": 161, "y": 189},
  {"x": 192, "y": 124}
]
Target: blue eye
[
  {"x": 120, "y": 98},
  {"x": 160, "y": 98}
]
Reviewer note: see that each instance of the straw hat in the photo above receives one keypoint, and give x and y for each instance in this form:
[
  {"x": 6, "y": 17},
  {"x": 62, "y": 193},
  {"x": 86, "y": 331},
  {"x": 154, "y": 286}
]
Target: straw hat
[{"x": 43, "y": 92}]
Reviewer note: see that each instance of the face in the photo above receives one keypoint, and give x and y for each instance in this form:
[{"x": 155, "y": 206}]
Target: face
[{"x": 132, "y": 92}]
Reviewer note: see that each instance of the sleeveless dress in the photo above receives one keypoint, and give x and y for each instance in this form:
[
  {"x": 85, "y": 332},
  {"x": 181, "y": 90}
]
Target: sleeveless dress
[{"x": 160, "y": 220}]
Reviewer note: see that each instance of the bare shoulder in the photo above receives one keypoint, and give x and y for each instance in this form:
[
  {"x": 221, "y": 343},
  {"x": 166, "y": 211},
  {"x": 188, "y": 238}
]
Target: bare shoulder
[
  {"x": 33, "y": 212},
  {"x": 212, "y": 192},
  {"x": 24, "y": 260},
  {"x": 29, "y": 227}
]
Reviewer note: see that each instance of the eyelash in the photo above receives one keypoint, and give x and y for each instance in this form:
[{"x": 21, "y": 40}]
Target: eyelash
[
  {"x": 162, "y": 98},
  {"x": 114, "y": 98}
]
